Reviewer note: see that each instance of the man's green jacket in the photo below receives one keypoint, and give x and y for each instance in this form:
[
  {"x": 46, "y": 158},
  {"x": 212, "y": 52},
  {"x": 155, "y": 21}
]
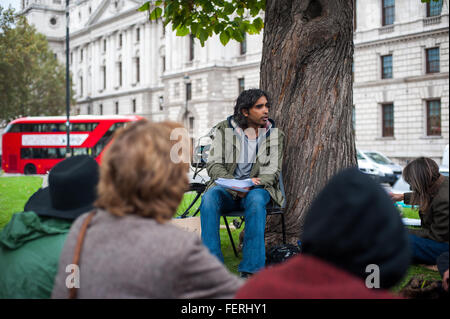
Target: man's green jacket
[
  {"x": 225, "y": 150},
  {"x": 29, "y": 253}
]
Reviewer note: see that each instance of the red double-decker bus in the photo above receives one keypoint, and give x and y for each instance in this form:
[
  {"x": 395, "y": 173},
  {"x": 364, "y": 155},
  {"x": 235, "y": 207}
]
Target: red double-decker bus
[{"x": 33, "y": 145}]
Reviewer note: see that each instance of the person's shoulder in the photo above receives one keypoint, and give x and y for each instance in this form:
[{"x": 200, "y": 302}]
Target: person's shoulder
[{"x": 443, "y": 189}]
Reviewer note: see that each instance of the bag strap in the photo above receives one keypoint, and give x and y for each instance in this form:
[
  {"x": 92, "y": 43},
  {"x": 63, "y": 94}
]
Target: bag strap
[{"x": 79, "y": 245}]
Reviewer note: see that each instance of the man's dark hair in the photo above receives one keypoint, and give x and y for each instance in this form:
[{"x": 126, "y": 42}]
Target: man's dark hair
[{"x": 245, "y": 101}]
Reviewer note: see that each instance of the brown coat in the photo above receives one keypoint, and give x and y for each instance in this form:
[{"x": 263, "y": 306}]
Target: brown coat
[{"x": 435, "y": 219}]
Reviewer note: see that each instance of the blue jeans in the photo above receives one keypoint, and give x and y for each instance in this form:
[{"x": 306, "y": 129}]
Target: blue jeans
[
  {"x": 217, "y": 200},
  {"x": 426, "y": 251}
]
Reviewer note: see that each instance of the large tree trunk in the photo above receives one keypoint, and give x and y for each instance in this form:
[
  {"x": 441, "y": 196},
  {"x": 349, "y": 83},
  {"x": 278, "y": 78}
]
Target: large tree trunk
[{"x": 306, "y": 67}]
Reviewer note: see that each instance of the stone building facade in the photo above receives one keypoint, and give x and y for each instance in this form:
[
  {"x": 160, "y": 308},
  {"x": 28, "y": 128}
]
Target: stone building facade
[
  {"x": 400, "y": 89},
  {"x": 123, "y": 63}
]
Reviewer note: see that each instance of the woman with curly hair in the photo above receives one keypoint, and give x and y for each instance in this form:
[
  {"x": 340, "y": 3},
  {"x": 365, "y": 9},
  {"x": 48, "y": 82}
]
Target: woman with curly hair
[
  {"x": 430, "y": 193},
  {"x": 128, "y": 248}
]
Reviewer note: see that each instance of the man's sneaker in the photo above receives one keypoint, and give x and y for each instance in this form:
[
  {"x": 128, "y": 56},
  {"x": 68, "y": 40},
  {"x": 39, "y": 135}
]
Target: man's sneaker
[{"x": 246, "y": 275}]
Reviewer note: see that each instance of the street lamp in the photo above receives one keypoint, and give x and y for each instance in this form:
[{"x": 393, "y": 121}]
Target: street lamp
[{"x": 67, "y": 82}]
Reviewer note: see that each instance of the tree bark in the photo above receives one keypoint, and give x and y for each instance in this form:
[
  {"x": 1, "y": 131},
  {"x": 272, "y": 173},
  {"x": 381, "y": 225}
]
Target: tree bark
[{"x": 306, "y": 68}]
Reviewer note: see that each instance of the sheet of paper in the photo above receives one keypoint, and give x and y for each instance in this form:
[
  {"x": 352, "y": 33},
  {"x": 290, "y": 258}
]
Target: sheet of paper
[
  {"x": 411, "y": 222},
  {"x": 235, "y": 184}
]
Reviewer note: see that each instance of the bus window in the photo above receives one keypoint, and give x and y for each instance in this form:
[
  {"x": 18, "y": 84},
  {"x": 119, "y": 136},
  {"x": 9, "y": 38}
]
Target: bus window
[
  {"x": 12, "y": 128},
  {"x": 83, "y": 127},
  {"x": 80, "y": 151},
  {"x": 43, "y": 153},
  {"x": 25, "y": 153}
]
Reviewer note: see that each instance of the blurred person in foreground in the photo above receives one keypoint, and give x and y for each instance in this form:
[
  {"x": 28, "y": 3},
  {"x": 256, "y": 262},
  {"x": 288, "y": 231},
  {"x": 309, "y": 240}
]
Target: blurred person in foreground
[
  {"x": 31, "y": 243},
  {"x": 129, "y": 248},
  {"x": 430, "y": 193},
  {"x": 353, "y": 240}
]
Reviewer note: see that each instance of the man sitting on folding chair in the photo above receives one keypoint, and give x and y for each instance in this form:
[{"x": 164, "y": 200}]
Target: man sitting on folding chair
[{"x": 245, "y": 146}]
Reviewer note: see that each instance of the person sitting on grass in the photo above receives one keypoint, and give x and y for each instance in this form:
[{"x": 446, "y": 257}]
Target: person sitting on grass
[
  {"x": 31, "y": 243},
  {"x": 354, "y": 245},
  {"x": 430, "y": 192},
  {"x": 128, "y": 248}
]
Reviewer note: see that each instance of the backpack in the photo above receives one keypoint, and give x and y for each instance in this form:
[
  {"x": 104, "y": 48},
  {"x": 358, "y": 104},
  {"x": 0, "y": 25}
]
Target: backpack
[{"x": 281, "y": 253}]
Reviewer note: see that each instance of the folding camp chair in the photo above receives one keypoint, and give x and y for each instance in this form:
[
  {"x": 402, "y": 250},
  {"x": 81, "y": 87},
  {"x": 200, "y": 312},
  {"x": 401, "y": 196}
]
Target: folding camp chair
[{"x": 271, "y": 209}]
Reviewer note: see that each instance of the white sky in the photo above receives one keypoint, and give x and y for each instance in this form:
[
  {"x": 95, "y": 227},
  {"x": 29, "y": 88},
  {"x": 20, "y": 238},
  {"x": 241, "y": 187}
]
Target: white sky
[{"x": 14, "y": 3}]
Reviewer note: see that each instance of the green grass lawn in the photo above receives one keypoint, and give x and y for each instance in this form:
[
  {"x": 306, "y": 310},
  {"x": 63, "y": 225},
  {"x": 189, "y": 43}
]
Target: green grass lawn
[{"x": 14, "y": 193}]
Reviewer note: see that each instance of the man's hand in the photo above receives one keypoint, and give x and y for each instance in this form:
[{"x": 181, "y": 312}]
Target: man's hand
[
  {"x": 256, "y": 180},
  {"x": 396, "y": 197}
]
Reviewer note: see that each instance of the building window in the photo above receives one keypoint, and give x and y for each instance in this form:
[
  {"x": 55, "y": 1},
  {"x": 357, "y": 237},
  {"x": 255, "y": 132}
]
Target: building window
[
  {"x": 120, "y": 40},
  {"x": 241, "y": 85},
  {"x": 387, "y": 111},
  {"x": 134, "y": 105},
  {"x": 81, "y": 55},
  {"x": 432, "y": 56},
  {"x": 104, "y": 45},
  {"x": 71, "y": 57},
  {"x": 104, "y": 77},
  {"x": 138, "y": 35},
  {"x": 119, "y": 69},
  {"x": 434, "y": 118},
  {"x": 388, "y": 12},
  {"x": 243, "y": 45},
  {"x": 138, "y": 68},
  {"x": 434, "y": 8},
  {"x": 386, "y": 67},
  {"x": 191, "y": 47},
  {"x": 188, "y": 91},
  {"x": 89, "y": 109},
  {"x": 163, "y": 58},
  {"x": 191, "y": 125},
  {"x": 117, "y": 108},
  {"x": 100, "y": 109},
  {"x": 161, "y": 103}
]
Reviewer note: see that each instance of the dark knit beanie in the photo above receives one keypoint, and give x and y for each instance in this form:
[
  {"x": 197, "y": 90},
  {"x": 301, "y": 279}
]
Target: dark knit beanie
[{"x": 353, "y": 223}]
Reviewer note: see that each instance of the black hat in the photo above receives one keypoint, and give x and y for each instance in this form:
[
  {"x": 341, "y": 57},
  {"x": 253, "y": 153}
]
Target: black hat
[
  {"x": 353, "y": 223},
  {"x": 71, "y": 189}
]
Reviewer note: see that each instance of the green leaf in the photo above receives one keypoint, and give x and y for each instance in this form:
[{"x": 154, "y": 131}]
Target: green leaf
[
  {"x": 158, "y": 3},
  {"x": 258, "y": 23},
  {"x": 254, "y": 11},
  {"x": 194, "y": 28},
  {"x": 229, "y": 8},
  {"x": 182, "y": 31},
  {"x": 218, "y": 28},
  {"x": 224, "y": 37},
  {"x": 145, "y": 6},
  {"x": 203, "y": 36},
  {"x": 238, "y": 35},
  {"x": 156, "y": 13}
]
